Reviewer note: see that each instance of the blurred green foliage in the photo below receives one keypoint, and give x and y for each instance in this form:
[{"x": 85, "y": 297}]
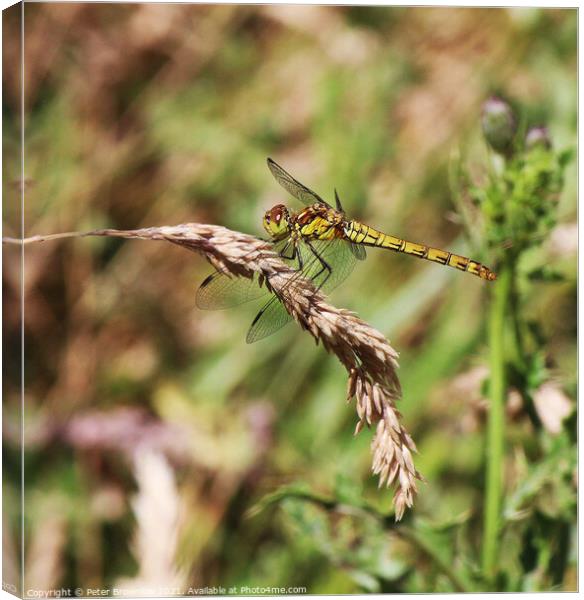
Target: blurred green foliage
[{"x": 141, "y": 115}]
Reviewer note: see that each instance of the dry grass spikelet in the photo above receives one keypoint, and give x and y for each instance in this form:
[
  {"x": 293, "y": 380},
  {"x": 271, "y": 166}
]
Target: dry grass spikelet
[{"x": 368, "y": 357}]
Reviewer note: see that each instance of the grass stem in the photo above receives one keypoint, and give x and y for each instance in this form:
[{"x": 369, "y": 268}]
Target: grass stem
[
  {"x": 43, "y": 238},
  {"x": 496, "y": 422}
]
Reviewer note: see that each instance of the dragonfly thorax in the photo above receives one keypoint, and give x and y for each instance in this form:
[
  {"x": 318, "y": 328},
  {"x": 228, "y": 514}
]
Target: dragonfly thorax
[{"x": 277, "y": 222}]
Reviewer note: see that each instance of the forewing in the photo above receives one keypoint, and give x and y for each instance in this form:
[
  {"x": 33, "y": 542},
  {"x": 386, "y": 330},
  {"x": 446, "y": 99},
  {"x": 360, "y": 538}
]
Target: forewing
[
  {"x": 272, "y": 316},
  {"x": 221, "y": 291},
  {"x": 293, "y": 186}
]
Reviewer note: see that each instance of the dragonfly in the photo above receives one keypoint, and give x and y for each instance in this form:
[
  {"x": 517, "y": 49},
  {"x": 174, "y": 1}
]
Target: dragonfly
[{"x": 322, "y": 244}]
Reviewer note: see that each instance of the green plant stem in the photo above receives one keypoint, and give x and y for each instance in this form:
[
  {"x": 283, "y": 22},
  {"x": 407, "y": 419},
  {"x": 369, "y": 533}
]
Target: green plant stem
[
  {"x": 520, "y": 356},
  {"x": 496, "y": 422},
  {"x": 519, "y": 350}
]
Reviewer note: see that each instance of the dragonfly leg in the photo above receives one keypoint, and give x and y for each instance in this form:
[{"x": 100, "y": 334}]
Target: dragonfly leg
[
  {"x": 285, "y": 249},
  {"x": 299, "y": 256},
  {"x": 324, "y": 266},
  {"x": 296, "y": 254}
]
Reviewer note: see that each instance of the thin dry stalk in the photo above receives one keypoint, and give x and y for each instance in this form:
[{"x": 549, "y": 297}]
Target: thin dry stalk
[
  {"x": 156, "y": 507},
  {"x": 368, "y": 357},
  {"x": 44, "y": 561}
]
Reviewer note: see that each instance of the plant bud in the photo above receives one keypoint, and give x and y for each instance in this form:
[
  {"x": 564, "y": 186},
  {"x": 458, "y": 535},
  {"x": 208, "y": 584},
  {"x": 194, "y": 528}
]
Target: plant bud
[
  {"x": 538, "y": 137},
  {"x": 499, "y": 125}
]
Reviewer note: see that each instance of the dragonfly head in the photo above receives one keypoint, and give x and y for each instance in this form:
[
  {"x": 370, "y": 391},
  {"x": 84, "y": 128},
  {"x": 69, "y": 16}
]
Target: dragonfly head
[{"x": 277, "y": 222}]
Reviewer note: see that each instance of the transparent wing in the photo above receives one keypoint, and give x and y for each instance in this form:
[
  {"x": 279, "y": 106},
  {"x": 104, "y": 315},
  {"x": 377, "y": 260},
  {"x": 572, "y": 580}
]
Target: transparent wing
[
  {"x": 272, "y": 316},
  {"x": 325, "y": 262},
  {"x": 293, "y": 186},
  {"x": 221, "y": 291},
  {"x": 358, "y": 251},
  {"x": 337, "y": 254},
  {"x": 224, "y": 290}
]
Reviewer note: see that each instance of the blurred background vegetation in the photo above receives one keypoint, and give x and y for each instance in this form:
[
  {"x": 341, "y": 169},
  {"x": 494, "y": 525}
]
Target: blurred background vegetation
[{"x": 153, "y": 434}]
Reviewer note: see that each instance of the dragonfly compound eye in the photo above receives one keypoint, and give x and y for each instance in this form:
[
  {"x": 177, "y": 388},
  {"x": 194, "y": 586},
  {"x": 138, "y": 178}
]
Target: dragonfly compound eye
[{"x": 276, "y": 221}]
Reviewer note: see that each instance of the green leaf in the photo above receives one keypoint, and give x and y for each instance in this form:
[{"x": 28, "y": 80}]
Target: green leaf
[
  {"x": 548, "y": 486},
  {"x": 566, "y": 156},
  {"x": 297, "y": 490},
  {"x": 546, "y": 274},
  {"x": 367, "y": 581}
]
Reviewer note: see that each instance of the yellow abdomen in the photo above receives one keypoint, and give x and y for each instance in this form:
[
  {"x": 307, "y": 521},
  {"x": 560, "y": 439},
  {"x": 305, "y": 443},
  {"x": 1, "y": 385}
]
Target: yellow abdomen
[{"x": 359, "y": 233}]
